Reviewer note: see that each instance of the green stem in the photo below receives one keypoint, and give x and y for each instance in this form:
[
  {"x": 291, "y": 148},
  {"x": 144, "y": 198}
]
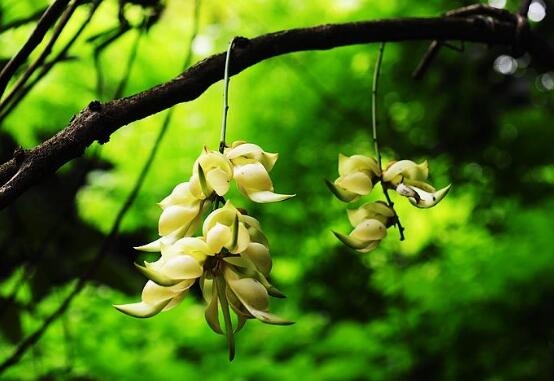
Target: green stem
[
  {"x": 229, "y": 334},
  {"x": 376, "y": 141},
  {"x": 226, "y": 81},
  {"x": 374, "y": 103}
]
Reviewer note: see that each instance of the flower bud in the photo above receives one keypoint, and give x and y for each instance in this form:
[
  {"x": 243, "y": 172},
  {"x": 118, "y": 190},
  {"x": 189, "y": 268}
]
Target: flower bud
[
  {"x": 408, "y": 179},
  {"x": 180, "y": 211},
  {"x": 212, "y": 171},
  {"x": 242, "y": 153},
  {"x": 254, "y": 182},
  {"x": 357, "y": 175},
  {"x": 366, "y": 236},
  {"x": 377, "y": 210},
  {"x": 223, "y": 229}
]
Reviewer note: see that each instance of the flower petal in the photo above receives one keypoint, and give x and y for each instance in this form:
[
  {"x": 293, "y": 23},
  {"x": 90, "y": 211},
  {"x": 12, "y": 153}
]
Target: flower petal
[
  {"x": 267, "y": 196},
  {"x": 341, "y": 193},
  {"x": 351, "y": 242},
  {"x": 253, "y": 176},
  {"x": 157, "y": 276},
  {"x": 203, "y": 181},
  {"x": 357, "y": 182},
  {"x": 426, "y": 199},
  {"x": 371, "y": 246},
  {"x": 219, "y": 180},
  {"x": 247, "y": 150},
  {"x": 258, "y": 254},
  {"x": 142, "y": 310},
  {"x": 218, "y": 237},
  {"x": 269, "y": 318},
  {"x": 377, "y": 210},
  {"x": 152, "y": 247},
  {"x": 211, "y": 313},
  {"x": 225, "y": 216},
  {"x": 180, "y": 195},
  {"x": 369, "y": 230},
  {"x": 153, "y": 293},
  {"x": 177, "y": 216},
  {"x": 407, "y": 169},
  {"x": 193, "y": 246},
  {"x": 243, "y": 238},
  {"x": 268, "y": 160},
  {"x": 195, "y": 187},
  {"x": 214, "y": 159},
  {"x": 182, "y": 267},
  {"x": 251, "y": 293},
  {"x": 357, "y": 163},
  {"x": 254, "y": 297}
]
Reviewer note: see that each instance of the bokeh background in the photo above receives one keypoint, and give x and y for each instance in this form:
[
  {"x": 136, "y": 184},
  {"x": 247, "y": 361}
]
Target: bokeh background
[{"x": 469, "y": 295}]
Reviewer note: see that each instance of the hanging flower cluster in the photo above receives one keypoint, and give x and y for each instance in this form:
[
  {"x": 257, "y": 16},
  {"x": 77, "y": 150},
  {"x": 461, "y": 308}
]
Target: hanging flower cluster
[
  {"x": 358, "y": 175},
  {"x": 230, "y": 258}
]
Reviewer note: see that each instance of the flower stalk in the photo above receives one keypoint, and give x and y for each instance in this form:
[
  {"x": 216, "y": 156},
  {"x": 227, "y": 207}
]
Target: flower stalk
[
  {"x": 226, "y": 81},
  {"x": 376, "y": 74}
]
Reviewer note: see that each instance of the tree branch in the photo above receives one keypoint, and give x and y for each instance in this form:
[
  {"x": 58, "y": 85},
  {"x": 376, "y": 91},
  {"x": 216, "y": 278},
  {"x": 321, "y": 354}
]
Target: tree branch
[
  {"x": 46, "y": 21},
  {"x": 99, "y": 121},
  {"x": 34, "y": 337}
]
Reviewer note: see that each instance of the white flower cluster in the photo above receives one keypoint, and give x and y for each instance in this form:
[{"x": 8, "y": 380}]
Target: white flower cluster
[
  {"x": 230, "y": 258},
  {"x": 358, "y": 175}
]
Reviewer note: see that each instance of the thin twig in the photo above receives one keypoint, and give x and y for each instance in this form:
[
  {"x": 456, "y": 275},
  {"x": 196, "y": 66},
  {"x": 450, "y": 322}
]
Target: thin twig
[
  {"x": 43, "y": 55},
  {"x": 425, "y": 62},
  {"x": 45, "y": 69},
  {"x": 30, "y": 340},
  {"x": 376, "y": 74},
  {"x": 474, "y": 10},
  {"x": 46, "y": 21}
]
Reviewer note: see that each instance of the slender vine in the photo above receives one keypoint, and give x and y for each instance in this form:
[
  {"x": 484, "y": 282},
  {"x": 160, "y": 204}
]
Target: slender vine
[
  {"x": 376, "y": 74},
  {"x": 226, "y": 81}
]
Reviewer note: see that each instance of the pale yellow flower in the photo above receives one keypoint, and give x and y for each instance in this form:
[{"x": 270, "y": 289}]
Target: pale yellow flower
[
  {"x": 241, "y": 153},
  {"x": 181, "y": 216},
  {"x": 409, "y": 180},
  {"x": 212, "y": 172},
  {"x": 223, "y": 229},
  {"x": 357, "y": 176},
  {"x": 231, "y": 259},
  {"x": 181, "y": 211},
  {"x": 251, "y": 172},
  {"x": 370, "y": 223},
  {"x": 169, "y": 277}
]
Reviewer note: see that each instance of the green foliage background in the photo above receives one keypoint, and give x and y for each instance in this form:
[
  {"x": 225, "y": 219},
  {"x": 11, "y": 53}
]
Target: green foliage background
[{"x": 468, "y": 295}]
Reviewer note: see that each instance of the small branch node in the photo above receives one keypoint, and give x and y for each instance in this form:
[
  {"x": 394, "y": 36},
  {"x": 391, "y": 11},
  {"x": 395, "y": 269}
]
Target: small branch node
[
  {"x": 19, "y": 154},
  {"x": 240, "y": 42},
  {"x": 95, "y": 106}
]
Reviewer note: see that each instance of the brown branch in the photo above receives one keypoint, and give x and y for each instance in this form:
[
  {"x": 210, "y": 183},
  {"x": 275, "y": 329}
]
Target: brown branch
[
  {"x": 46, "y": 21},
  {"x": 425, "y": 62},
  {"x": 98, "y": 121},
  {"x": 33, "y": 338}
]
